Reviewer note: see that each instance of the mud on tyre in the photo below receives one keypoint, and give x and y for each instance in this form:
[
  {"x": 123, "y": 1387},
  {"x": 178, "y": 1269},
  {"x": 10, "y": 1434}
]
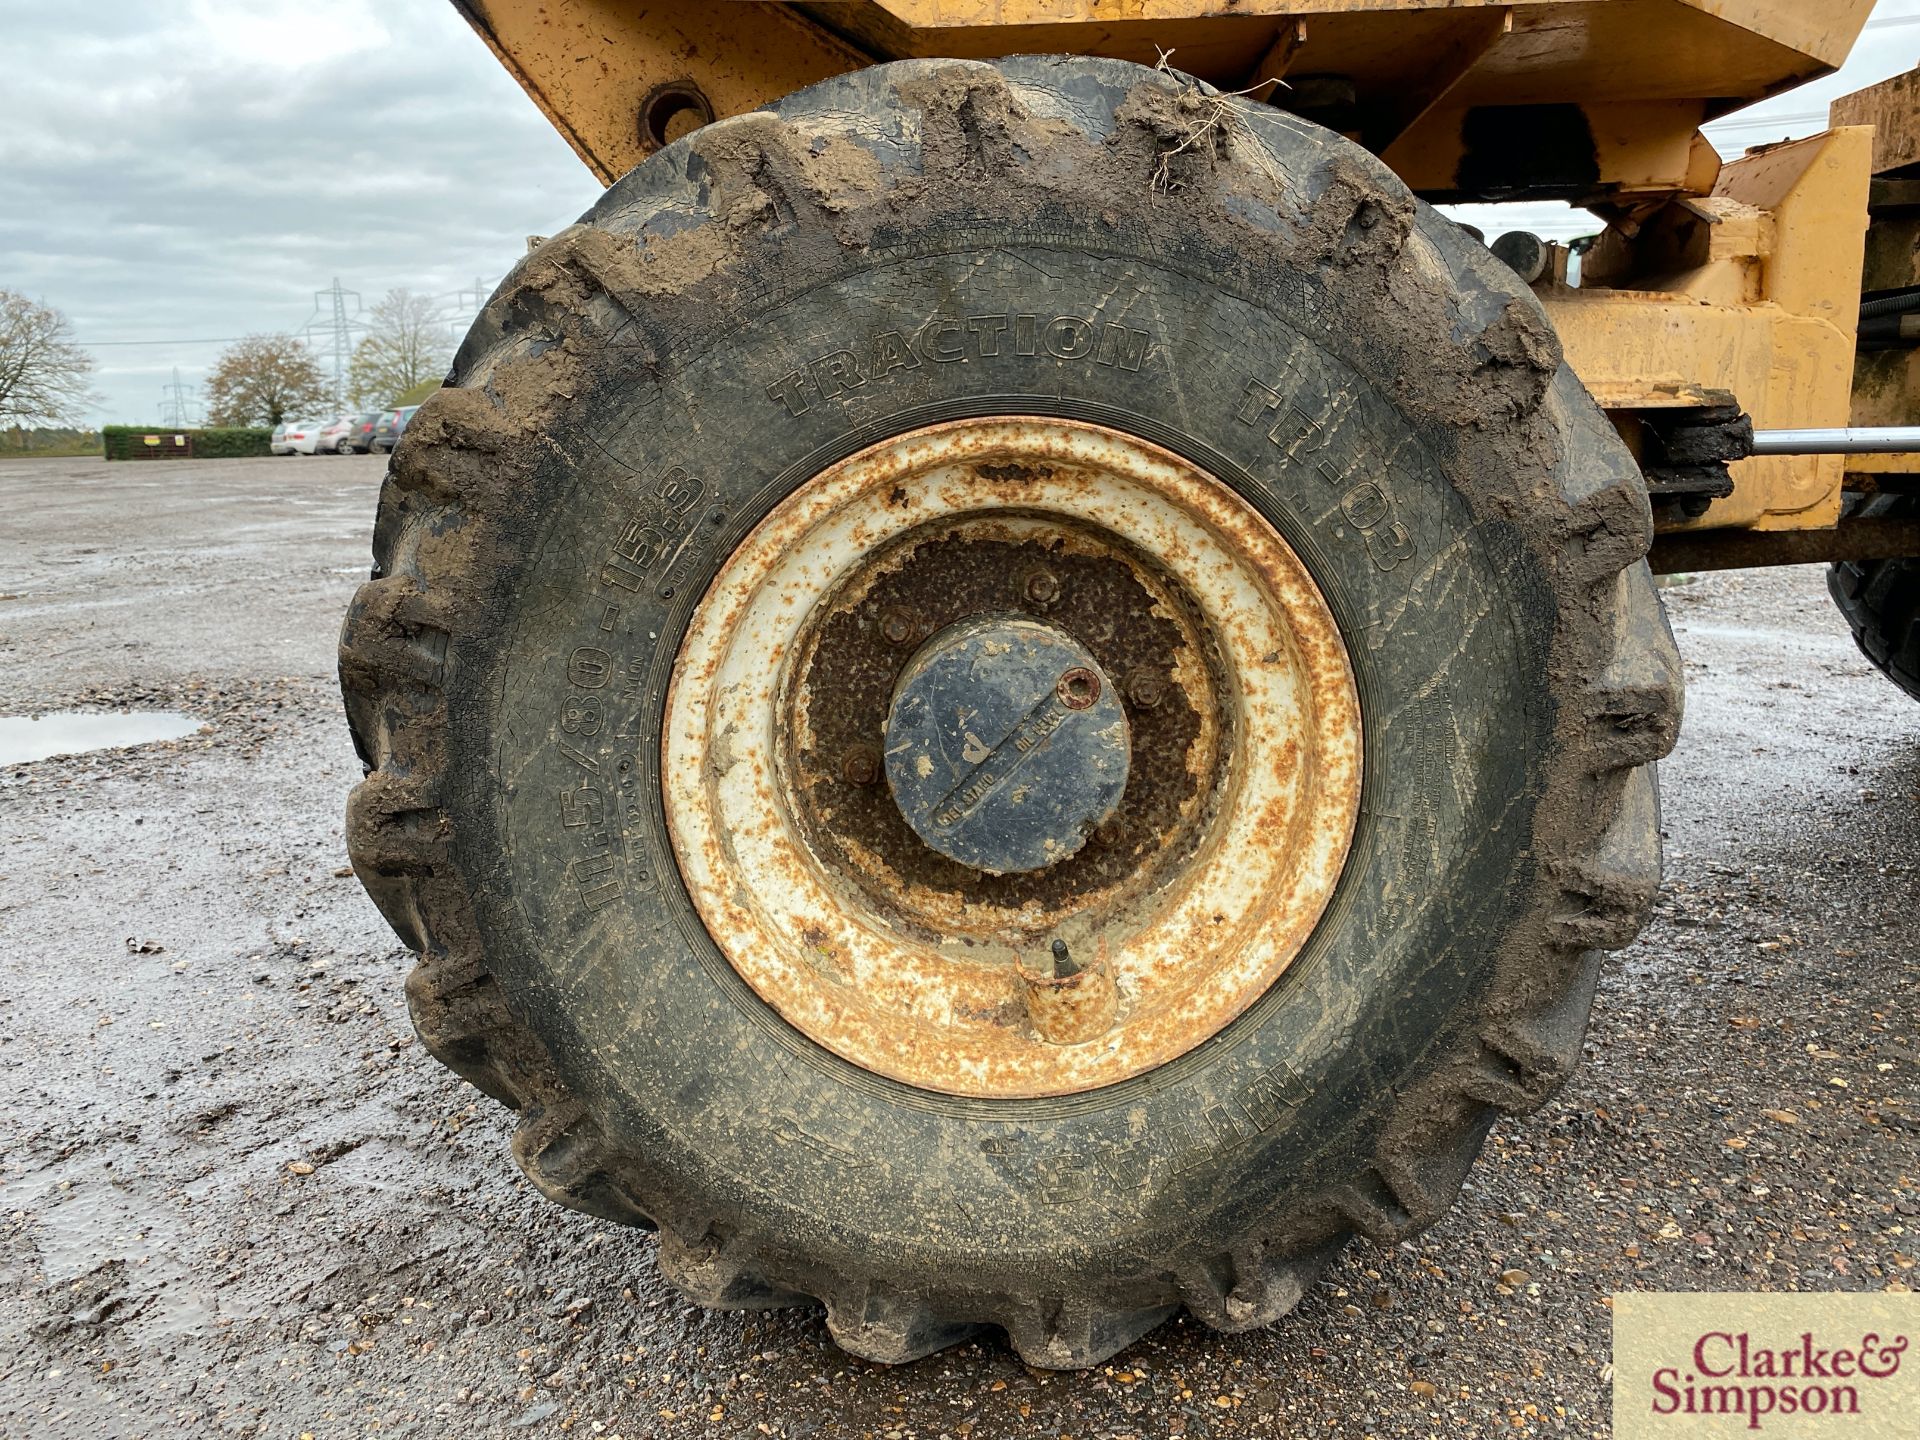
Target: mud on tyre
[{"x": 1225, "y": 307}]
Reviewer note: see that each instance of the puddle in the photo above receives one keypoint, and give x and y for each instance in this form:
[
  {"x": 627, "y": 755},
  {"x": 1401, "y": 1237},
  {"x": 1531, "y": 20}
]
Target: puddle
[
  {"x": 115, "y": 1255},
  {"x": 72, "y": 732}
]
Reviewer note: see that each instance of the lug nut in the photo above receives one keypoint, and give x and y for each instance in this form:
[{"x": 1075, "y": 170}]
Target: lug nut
[
  {"x": 1078, "y": 688},
  {"x": 860, "y": 765},
  {"x": 1042, "y": 587},
  {"x": 897, "y": 626},
  {"x": 1146, "y": 689}
]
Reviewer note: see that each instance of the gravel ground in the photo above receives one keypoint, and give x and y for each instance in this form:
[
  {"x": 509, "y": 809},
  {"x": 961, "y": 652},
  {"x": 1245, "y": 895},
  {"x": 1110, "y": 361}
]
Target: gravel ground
[{"x": 240, "y": 1199}]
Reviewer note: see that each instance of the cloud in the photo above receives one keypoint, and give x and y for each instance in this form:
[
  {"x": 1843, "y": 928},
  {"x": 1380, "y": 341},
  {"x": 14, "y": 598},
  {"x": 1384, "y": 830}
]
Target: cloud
[{"x": 200, "y": 169}]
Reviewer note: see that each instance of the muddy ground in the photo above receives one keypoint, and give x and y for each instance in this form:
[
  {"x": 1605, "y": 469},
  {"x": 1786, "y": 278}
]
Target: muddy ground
[{"x": 240, "y": 1199}]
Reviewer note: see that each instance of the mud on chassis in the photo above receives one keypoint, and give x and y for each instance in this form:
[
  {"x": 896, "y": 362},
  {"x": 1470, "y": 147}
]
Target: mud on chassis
[{"x": 1016, "y": 690}]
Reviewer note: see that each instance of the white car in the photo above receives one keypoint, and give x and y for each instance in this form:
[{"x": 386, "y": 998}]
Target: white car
[
  {"x": 278, "y": 444},
  {"x": 336, "y": 437},
  {"x": 303, "y": 437}
]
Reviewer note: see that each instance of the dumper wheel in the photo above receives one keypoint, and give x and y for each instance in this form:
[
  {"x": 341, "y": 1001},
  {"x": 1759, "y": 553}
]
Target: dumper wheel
[
  {"x": 1881, "y": 601},
  {"x": 1009, "y": 695}
]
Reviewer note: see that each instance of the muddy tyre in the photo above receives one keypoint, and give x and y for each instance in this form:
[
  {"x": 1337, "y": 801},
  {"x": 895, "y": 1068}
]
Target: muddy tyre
[
  {"x": 1881, "y": 602},
  {"x": 1199, "y": 407}
]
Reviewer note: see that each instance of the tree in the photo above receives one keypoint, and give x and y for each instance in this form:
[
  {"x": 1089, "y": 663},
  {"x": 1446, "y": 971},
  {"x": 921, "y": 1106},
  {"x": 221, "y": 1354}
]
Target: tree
[
  {"x": 43, "y": 374},
  {"x": 265, "y": 380},
  {"x": 405, "y": 346}
]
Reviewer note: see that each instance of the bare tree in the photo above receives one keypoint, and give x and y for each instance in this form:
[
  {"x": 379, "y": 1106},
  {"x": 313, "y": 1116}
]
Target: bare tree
[
  {"x": 406, "y": 345},
  {"x": 43, "y": 374},
  {"x": 265, "y": 380}
]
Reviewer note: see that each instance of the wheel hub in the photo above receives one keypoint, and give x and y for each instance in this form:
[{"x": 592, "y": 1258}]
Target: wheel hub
[
  {"x": 1148, "y": 640},
  {"x": 1011, "y": 757},
  {"x": 1005, "y": 745}
]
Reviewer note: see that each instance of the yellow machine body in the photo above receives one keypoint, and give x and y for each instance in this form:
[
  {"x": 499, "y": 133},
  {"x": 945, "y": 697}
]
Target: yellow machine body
[{"x": 1714, "y": 282}]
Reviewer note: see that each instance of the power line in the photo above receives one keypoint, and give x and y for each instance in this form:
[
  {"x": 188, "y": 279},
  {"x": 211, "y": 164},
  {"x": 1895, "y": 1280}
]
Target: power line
[
  {"x": 465, "y": 304},
  {"x": 200, "y": 340}
]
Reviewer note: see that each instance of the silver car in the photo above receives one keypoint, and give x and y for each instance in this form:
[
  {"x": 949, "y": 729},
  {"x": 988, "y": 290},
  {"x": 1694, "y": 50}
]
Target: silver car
[{"x": 336, "y": 436}]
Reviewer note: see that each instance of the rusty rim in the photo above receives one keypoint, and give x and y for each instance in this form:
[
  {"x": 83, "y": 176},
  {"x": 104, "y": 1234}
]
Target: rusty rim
[{"x": 1185, "y": 903}]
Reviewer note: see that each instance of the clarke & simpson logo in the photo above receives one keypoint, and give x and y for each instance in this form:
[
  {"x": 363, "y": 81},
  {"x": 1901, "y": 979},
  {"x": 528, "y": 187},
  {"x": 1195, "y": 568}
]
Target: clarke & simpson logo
[
  {"x": 1729, "y": 1375},
  {"x": 1788, "y": 1366}
]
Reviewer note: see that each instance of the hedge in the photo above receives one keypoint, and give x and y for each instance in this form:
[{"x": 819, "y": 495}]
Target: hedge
[{"x": 129, "y": 442}]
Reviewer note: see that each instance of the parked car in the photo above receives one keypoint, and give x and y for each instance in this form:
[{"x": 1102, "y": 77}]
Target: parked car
[
  {"x": 391, "y": 425},
  {"x": 303, "y": 436},
  {"x": 336, "y": 436},
  {"x": 278, "y": 444},
  {"x": 360, "y": 435}
]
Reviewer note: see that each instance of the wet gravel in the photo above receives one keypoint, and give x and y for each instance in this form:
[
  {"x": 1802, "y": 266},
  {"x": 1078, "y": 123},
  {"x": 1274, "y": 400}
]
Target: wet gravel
[{"x": 238, "y": 1198}]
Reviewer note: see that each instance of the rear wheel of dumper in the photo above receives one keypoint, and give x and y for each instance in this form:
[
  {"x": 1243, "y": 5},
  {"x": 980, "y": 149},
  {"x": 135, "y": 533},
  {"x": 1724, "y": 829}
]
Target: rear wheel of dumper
[
  {"x": 1009, "y": 695},
  {"x": 1880, "y": 600}
]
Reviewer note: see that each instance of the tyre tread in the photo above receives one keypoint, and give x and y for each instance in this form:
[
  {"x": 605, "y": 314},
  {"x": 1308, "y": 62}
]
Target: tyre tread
[{"x": 1880, "y": 601}]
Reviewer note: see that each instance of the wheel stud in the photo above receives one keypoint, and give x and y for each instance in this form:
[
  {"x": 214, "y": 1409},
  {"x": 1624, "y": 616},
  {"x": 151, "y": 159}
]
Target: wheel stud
[
  {"x": 860, "y": 765},
  {"x": 1042, "y": 586},
  {"x": 897, "y": 626},
  {"x": 1146, "y": 689}
]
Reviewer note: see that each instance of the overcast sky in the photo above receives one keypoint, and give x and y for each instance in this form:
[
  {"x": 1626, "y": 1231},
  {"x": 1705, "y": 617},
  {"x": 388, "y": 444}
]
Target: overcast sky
[
  {"x": 192, "y": 170},
  {"x": 187, "y": 170}
]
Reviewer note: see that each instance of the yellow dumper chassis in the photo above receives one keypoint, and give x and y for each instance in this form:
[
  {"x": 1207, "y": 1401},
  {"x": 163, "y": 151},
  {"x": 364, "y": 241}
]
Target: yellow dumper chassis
[{"x": 1719, "y": 298}]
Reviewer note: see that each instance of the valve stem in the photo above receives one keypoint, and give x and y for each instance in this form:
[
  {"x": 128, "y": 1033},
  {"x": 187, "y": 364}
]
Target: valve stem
[
  {"x": 1073, "y": 1004},
  {"x": 1064, "y": 964}
]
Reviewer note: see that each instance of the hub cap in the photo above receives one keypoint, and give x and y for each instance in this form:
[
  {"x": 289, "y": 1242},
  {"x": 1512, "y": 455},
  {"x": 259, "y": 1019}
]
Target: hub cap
[
  {"x": 1005, "y": 745},
  {"x": 1011, "y": 757}
]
